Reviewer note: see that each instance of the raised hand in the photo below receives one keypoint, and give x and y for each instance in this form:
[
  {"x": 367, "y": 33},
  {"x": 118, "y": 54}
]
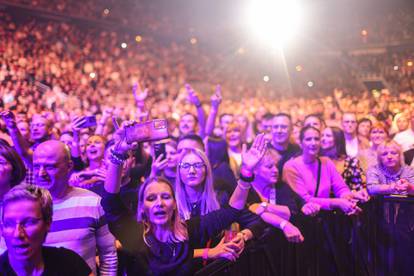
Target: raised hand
[
  {"x": 216, "y": 98},
  {"x": 251, "y": 157},
  {"x": 139, "y": 94},
  {"x": 158, "y": 165},
  {"x": 8, "y": 118},
  {"x": 192, "y": 96},
  {"x": 121, "y": 145}
]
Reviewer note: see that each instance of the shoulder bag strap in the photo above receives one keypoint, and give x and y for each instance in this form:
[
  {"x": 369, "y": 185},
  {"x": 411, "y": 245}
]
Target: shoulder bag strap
[{"x": 319, "y": 177}]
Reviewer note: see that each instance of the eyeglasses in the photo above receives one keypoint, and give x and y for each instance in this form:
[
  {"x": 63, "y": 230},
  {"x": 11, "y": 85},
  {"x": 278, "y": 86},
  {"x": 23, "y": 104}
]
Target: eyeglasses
[
  {"x": 27, "y": 224},
  {"x": 187, "y": 166}
]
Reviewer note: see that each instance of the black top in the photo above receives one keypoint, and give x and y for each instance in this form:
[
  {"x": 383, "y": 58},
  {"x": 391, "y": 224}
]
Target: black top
[
  {"x": 162, "y": 258},
  {"x": 58, "y": 262},
  {"x": 284, "y": 196},
  {"x": 291, "y": 151}
]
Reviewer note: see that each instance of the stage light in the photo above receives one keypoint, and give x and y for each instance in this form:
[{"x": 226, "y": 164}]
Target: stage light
[
  {"x": 266, "y": 78},
  {"x": 106, "y": 11},
  {"x": 193, "y": 40},
  {"x": 138, "y": 38},
  {"x": 396, "y": 67},
  {"x": 241, "y": 51},
  {"x": 92, "y": 75},
  {"x": 124, "y": 45},
  {"x": 410, "y": 63},
  {"x": 275, "y": 22},
  {"x": 364, "y": 32},
  {"x": 310, "y": 84},
  {"x": 299, "y": 68}
]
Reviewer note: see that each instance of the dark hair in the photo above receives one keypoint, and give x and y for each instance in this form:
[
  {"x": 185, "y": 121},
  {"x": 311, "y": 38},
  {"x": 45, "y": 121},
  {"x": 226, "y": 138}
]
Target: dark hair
[
  {"x": 18, "y": 167},
  {"x": 317, "y": 116},
  {"x": 364, "y": 120},
  {"x": 339, "y": 141},
  {"x": 268, "y": 116},
  {"x": 217, "y": 151},
  {"x": 306, "y": 128},
  {"x": 283, "y": 114},
  {"x": 194, "y": 137},
  {"x": 68, "y": 132},
  {"x": 191, "y": 114}
]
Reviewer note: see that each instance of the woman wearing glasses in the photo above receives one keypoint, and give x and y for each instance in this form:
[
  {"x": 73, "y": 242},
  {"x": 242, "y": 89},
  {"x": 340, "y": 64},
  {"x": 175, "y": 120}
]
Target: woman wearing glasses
[{"x": 161, "y": 242}]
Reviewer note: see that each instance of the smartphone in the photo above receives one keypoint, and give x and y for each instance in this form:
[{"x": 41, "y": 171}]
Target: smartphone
[
  {"x": 149, "y": 131},
  {"x": 159, "y": 148},
  {"x": 90, "y": 121}
]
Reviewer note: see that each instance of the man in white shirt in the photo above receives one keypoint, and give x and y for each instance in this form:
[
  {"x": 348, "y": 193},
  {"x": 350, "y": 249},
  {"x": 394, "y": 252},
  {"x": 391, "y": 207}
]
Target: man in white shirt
[{"x": 349, "y": 126}]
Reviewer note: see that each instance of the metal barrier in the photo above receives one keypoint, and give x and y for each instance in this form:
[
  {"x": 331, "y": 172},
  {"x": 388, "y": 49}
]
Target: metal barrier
[{"x": 380, "y": 241}]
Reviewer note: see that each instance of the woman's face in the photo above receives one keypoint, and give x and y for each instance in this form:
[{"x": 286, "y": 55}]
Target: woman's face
[
  {"x": 192, "y": 170},
  {"x": 327, "y": 139},
  {"x": 5, "y": 171},
  {"x": 95, "y": 148},
  {"x": 390, "y": 157},
  {"x": 377, "y": 136},
  {"x": 233, "y": 137},
  {"x": 267, "y": 170},
  {"x": 171, "y": 155},
  {"x": 402, "y": 123},
  {"x": 311, "y": 142},
  {"x": 159, "y": 203}
]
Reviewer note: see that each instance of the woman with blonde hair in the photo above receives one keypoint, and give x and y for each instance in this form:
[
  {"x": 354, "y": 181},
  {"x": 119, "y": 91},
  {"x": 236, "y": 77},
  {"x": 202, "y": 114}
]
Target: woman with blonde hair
[
  {"x": 162, "y": 243},
  {"x": 194, "y": 185}
]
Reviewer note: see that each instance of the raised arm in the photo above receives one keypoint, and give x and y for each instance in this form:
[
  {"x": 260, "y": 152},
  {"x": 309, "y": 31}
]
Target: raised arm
[
  {"x": 215, "y": 104},
  {"x": 193, "y": 98},
  {"x": 250, "y": 158},
  {"x": 20, "y": 144}
]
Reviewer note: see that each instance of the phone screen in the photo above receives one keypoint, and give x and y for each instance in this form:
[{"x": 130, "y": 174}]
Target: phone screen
[{"x": 159, "y": 149}]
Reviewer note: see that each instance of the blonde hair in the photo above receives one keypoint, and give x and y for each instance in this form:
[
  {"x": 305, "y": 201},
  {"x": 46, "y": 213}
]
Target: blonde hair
[
  {"x": 33, "y": 193},
  {"x": 208, "y": 199},
  {"x": 387, "y": 144},
  {"x": 178, "y": 230}
]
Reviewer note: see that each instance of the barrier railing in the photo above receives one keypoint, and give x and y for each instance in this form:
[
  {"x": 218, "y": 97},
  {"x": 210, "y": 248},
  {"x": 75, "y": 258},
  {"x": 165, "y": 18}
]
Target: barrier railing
[{"x": 379, "y": 241}]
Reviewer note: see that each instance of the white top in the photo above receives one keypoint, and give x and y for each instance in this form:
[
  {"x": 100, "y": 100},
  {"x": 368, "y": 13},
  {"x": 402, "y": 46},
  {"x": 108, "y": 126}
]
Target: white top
[
  {"x": 405, "y": 139},
  {"x": 352, "y": 147}
]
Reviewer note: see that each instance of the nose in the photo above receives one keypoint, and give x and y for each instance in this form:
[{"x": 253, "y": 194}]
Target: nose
[
  {"x": 18, "y": 231},
  {"x": 191, "y": 169},
  {"x": 41, "y": 171},
  {"x": 160, "y": 201}
]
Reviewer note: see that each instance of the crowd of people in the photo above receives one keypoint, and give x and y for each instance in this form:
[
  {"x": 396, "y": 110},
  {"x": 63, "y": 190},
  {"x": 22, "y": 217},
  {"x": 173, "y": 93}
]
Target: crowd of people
[{"x": 75, "y": 194}]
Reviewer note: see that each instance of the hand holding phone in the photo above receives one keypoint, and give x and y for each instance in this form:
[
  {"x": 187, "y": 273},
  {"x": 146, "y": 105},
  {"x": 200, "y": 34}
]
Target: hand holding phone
[{"x": 149, "y": 131}]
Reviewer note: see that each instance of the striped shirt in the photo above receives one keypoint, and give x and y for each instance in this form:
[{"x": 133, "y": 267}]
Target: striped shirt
[{"x": 79, "y": 224}]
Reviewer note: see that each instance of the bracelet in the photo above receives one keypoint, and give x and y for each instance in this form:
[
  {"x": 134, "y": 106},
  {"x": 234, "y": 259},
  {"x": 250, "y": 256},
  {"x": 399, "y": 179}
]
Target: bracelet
[
  {"x": 264, "y": 208},
  {"x": 283, "y": 224},
  {"x": 117, "y": 158},
  {"x": 247, "y": 179},
  {"x": 205, "y": 253},
  {"x": 243, "y": 187}
]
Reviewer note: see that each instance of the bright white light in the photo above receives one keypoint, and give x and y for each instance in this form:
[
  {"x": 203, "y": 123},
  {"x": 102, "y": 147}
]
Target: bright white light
[
  {"x": 124, "y": 45},
  {"x": 266, "y": 78},
  {"x": 310, "y": 84},
  {"x": 92, "y": 75},
  {"x": 274, "y": 21},
  {"x": 395, "y": 67}
]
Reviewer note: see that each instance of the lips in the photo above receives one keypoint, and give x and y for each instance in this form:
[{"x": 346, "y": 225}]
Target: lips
[{"x": 160, "y": 213}]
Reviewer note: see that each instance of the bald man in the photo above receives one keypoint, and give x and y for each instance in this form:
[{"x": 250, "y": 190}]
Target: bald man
[{"x": 78, "y": 222}]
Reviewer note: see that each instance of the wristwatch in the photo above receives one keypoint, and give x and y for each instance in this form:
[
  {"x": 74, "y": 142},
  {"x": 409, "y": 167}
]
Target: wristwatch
[{"x": 264, "y": 208}]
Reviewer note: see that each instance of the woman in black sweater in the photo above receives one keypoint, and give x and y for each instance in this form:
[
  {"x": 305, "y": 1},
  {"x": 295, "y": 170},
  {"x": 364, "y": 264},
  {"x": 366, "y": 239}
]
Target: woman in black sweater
[{"x": 162, "y": 243}]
